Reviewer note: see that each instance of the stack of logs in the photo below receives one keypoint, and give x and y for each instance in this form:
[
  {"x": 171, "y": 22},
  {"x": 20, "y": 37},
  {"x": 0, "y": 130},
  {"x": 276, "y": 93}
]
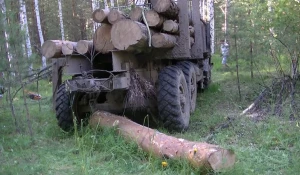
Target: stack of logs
[{"x": 119, "y": 31}]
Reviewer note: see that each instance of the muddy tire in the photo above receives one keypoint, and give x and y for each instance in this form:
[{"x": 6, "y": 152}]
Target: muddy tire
[
  {"x": 63, "y": 109},
  {"x": 173, "y": 99},
  {"x": 189, "y": 72}
]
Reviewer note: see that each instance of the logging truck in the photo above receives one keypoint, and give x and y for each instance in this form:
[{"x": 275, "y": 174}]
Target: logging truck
[{"x": 156, "y": 57}]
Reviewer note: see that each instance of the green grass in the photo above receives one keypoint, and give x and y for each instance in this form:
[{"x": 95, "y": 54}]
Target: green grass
[{"x": 266, "y": 147}]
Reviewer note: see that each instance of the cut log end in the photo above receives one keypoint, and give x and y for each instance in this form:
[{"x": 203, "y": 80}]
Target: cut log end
[
  {"x": 154, "y": 19},
  {"x": 136, "y": 14},
  {"x": 52, "y": 48},
  {"x": 162, "y": 40},
  {"x": 221, "y": 160},
  {"x": 166, "y": 7},
  {"x": 100, "y": 15},
  {"x": 68, "y": 48},
  {"x": 102, "y": 39},
  {"x": 84, "y": 46},
  {"x": 129, "y": 35},
  {"x": 115, "y": 16}
]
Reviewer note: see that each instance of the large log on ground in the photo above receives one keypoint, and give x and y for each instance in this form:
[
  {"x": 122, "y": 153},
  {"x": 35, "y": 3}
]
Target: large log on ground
[
  {"x": 115, "y": 16},
  {"x": 102, "y": 39},
  {"x": 171, "y": 26},
  {"x": 68, "y": 47},
  {"x": 52, "y": 48},
  {"x": 166, "y": 7},
  {"x": 199, "y": 154},
  {"x": 136, "y": 14},
  {"x": 100, "y": 15},
  {"x": 154, "y": 19},
  {"x": 84, "y": 47},
  {"x": 163, "y": 40},
  {"x": 129, "y": 35}
]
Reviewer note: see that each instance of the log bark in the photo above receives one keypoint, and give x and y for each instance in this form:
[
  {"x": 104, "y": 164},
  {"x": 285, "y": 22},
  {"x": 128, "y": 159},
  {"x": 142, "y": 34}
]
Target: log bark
[
  {"x": 129, "y": 35},
  {"x": 166, "y": 7},
  {"x": 115, "y": 16},
  {"x": 171, "y": 26},
  {"x": 163, "y": 40},
  {"x": 52, "y": 48},
  {"x": 199, "y": 154},
  {"x": 102, "y": 39},
  {"x": 68, "y": 47},
  {"x": 100, "y": 15},
  {"x": 136, "y": 14},
  {"x": 84, "y": 47},
  {"x": 192, "y": 31},
  {"x": 154, "y": 19}
]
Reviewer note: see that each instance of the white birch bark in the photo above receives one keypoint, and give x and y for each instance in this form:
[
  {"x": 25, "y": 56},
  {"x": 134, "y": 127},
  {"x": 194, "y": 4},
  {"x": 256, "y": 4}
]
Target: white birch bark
[
  {"x": 4, "y": 24},
  {"x": 61, "y": 20},
  {"x": 140, "y": 2},
  {"x": 24, "y": 27},
  {"x": 95, "y": 5},
  {"x": 38, "y": 22},
  {"x": 105, "y": 4},
  {"x": 112, "y": 3}
]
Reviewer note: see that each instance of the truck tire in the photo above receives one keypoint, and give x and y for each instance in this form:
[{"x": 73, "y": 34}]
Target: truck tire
[
  {"x": 173, "y": 99},
  {"x": 191, "y": 80},
  {"x": 63, "y": 108}
]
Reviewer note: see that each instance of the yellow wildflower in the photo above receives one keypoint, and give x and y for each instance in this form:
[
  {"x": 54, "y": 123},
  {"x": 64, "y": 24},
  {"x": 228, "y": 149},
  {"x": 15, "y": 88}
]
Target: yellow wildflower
[{"x": 164, "y": 164}]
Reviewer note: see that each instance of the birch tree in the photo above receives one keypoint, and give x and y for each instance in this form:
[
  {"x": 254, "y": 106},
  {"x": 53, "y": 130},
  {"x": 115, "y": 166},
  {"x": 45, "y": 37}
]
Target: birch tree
[
  {"x": 61, "y": 20},
  {"x": 95, "y": 5},
  {"x": 24, "y": 27},
  {"x": 38, "y": 22},
  {"x": 112, "y": 3}
]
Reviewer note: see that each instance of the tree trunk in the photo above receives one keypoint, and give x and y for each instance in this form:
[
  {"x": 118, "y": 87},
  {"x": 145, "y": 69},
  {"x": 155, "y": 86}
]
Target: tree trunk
[
  {"x": 61, "y": 20},
  {"x": 100, "y": 15},
  {"x": 95, "y": 5},
  {"x": 166, "y": 7},
  {"x": 192, "y": 31},
  {"x": 52, "y": 48},
  {"x": 171, "y": 26},
  {"x": 129, "y": 35},
  {"x": 102, "y": 39},
  {"x": 68, "y": 47},
  {"x": 24, "y": 26},
  {"x": 136, "y": 14},
  {"x": 112, "y": 3},
  {"x": 199, "y": 154},
  {"x": 84, "y": 47},
  {"x": 163, "y": 40},
  {"x": 115, "y": 16},
  {"x": 38, "y": 22},
  {"x": 154, "y": 19}
]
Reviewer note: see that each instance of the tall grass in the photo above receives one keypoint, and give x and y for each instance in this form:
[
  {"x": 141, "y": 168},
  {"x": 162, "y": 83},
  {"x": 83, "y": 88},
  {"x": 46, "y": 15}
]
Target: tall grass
[{"x": 270, "y": 146}]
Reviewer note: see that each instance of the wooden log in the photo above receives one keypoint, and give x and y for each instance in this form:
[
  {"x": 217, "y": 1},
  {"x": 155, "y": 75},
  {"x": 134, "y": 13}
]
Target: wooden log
[
  {"x": 52, "y": 49},
  {"x": 163, "y": 40},
  {"x": 102, "y": 39},
  {"x": 171, "y": 26},
  {"x": 84, "y": 47},
  {"x": 100, "y": 15},
  {"x": 199, "y": 154},
  {"x": 129, "y": 35},
  {"x": 192, "y": 30},
  {"x": 166, "y": 7},
  {"x": 154, "y": 19},
  {"x": 68, "y": 47},
  {"x": 192, "y": 40},
  {"x": 136, "y": 14},
  {"x": 115, "y": 16}
]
